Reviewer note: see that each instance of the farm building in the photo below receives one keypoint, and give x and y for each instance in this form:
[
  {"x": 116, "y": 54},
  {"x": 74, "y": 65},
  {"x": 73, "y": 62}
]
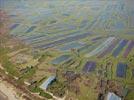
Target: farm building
[
  {"x": 121, "y": 70},
  {"x": 112, "y": 96},
  {"x": 45, "y": 84}
]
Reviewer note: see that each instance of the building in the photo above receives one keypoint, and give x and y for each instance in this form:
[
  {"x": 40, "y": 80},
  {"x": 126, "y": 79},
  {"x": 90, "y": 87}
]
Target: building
[
  {"x": 45, "y": 84},
  {"x": 112, "y": 96}
]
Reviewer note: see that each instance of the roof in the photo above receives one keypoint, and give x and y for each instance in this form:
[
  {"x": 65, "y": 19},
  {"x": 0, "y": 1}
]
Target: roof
[
  {"x": 112, "y": 96},
  {"x": 47, "y": 82}
]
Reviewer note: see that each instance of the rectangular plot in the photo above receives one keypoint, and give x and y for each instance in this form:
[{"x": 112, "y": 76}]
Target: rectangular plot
[
  {"x": 61, "y": 59},
  {"x": 65, "y": 40},
  {"x": 129, "y": 48},
  {"x": 20, "y": 30},
  {"x": 14, "y": 26},
  {"x": 33, "y": 37},
  {"x": 108, "y": 50},
  {"x": 83, "y": 23},
  {"x": 131, "y": 20},
  {"x": 132, "y": 73},
  {"x": 54, "y": 38},
  {"x": 35, "y": 40},
  {"x": 74, "y": 45},
  {"x": 117, "y": 51},
  {"x": 101, "y": 47},
  {"x": 97, "y": 38},
  {"x": 31, "y": 29},
  {"x": 89, "y": 66},
  {"x": 60, "y": 30},
  {"x": 121, "y": 70},
  {"x": 84, "y": 48},
  {"x": 12, "y": 15},
  {"x": 89, "y": 47}
]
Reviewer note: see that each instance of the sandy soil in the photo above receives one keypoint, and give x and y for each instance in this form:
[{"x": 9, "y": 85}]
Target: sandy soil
[
  {"x": 9, "y": 91},
  {"x": 1, "y": 66}
]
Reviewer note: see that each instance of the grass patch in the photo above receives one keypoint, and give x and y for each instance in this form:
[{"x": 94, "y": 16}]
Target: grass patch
[
  {"x": 8, "y": 65},
  {"x": 40, "y": 91}
]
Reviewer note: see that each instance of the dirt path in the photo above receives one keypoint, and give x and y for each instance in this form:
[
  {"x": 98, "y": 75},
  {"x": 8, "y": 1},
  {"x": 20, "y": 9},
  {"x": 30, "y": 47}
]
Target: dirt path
[{"x": 56, "y": 98}]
